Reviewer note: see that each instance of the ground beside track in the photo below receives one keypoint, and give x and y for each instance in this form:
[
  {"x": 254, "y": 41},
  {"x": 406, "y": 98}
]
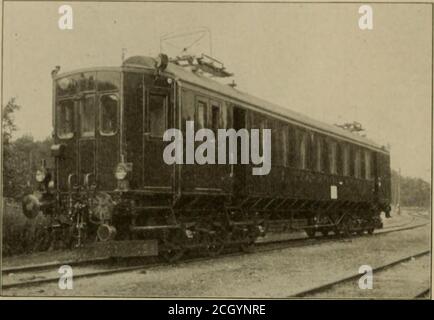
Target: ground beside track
[
  {"x": 272, "y": 274},
  {"x": 405, "y": 280},
  {"x": 60, "y": 256}
]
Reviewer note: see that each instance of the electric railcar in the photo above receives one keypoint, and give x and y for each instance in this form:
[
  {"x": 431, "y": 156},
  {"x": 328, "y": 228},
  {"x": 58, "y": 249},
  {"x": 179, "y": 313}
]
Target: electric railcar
[{"x": 109, "y": 184}]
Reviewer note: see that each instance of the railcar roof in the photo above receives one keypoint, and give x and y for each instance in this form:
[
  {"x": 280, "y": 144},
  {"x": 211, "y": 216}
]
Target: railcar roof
[{"x": 187, "y": 76}]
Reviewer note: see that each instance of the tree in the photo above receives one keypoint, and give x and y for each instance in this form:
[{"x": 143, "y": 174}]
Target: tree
[
  {"x": 415, "y": 192},
  {"x": 21, "y": 157},
  {"x": 8, "y": 128}
]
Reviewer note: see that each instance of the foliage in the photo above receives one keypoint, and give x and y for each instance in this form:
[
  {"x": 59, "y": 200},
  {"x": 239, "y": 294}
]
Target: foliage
[
  {"x": 21, "y": 157},
  {"x": 415, "y": 192}
]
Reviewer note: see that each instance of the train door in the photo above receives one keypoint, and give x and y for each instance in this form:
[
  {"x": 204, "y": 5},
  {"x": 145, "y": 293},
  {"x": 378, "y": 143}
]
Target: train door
[
  {"x": 158, "y": 118},
  {"x": 107, "y": 139},
  {"x": 239, "y": 170},
  {"x": 66, "y": 134},
  {"x": 86, "y": 141}
]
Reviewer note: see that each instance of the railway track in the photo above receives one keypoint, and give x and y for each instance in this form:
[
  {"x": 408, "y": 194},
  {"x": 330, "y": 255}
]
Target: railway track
[
  {"x": 33, "y": 275},
  {"x": 328, "y": 287}
]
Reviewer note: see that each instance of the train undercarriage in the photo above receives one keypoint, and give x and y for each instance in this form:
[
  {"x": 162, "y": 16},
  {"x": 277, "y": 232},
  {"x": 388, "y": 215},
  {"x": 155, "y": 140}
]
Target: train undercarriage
[{"x": 203, "y": 223}]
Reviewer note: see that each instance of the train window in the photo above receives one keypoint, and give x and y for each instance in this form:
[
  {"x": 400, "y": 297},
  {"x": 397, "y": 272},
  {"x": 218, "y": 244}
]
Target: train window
[
  {"x": 263, "y": 124},
  {"x": 224, "y": 116},
  {"x": 201, "y": 115},
  {"x": 284, "y": 146},
  {"x": 332, "y": 157},
  {"x": 368, "y": 164},
  {"x": 318, "y": 162},
  {"x": 65, "y": 126},
  {"x": 109, "y": 114},
  {"x": 108, "y": 80},
  {"x": 215, "y": 116},
  {"x": 157, "y": 114},
  {"x": 87, "y": 116},
  {"x": 86, "y": 81},
  {"x": 291, "y": 147},
  {"x": 303, "y": 150},
  {"x": 357, "y": 166},
  {"x": 346, "y": 159},
  {"x": 279, "y": 145}
]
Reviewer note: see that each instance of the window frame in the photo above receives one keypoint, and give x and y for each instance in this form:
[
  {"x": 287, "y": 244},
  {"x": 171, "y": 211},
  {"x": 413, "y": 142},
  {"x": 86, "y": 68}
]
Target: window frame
[
  {"x": 319, "y": 148},
  {"x": 357, "y": 163},
  {"x": 101, "y": 114},
  {"x": 205, "y": 102},
  {"x": 148, "y": 113},
  {"x": 332, "y": 150},
  {"x": 346, "y": 160},
  {"x": 215, "y": 104},
  {"x": 302, "y": 139},
  {"x": 367, "y": 154},
  {"x": 87, "y": 135},
  {"x": 71, "y": 134}
]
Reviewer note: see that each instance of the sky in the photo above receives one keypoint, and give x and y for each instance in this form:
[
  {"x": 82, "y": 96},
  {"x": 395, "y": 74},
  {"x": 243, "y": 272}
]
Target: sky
[{"x": 311, "y": 58}]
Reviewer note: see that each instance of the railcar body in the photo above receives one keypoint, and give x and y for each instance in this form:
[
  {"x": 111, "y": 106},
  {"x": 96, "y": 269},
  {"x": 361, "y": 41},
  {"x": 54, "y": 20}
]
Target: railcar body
[{"x": 110, "y": 182}]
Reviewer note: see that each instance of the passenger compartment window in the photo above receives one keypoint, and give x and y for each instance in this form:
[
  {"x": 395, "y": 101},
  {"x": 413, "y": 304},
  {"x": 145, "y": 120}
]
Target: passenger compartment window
[
  {"x": 368, "y": 164},
  {"x": 332, "y": 157},
  {"x": 224, "y": 116},
  {"x": 357, "y": 167},
  {"x": 65, "y": 125},
  {"x": 157, "y": 114},
  {"x": 201, "y": 115},
  {"x": 87, "y": 116},
  {"x": 215, "y": 116},
  {"x": 346, "y": 159},
  {"x": 318, "y": 154},
  {"x": 303, "y": 149},
  {"x": 109, "y": 114}
]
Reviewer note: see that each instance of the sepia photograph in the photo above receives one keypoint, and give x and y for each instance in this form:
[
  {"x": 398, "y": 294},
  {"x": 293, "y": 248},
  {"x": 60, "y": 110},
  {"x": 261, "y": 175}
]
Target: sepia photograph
[{"x": 216, "y": 150}]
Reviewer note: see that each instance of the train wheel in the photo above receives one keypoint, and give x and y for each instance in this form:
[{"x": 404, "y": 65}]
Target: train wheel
[
  {"x": 248, "y": 246},
  {"x": 173, "y": 247},
  {"x": 310, "y": 232},
  {"x": 371, "y": 231},
  {"x": 42, "y": 241},
  {"x": 325, "y": 232},
  {"x": 215, "y": 243},
  {"x": 360, "y": 232}
]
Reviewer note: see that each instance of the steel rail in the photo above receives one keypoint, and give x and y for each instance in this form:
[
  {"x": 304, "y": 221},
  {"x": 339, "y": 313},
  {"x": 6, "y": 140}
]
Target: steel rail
[
  {"x": 327, "y": 286},
  {"x": 261, "y": 247}
]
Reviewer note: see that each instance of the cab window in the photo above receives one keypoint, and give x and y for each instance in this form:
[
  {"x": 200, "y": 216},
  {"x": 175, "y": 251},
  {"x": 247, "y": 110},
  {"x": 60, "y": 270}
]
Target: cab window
[
  {"x": 157, "y": 114},
  {"x": 65, "y": 126},
  {"x": 108, "y": 80},
  {"x": 109, "y": 114},
  {"x": 87, "y": 116}
]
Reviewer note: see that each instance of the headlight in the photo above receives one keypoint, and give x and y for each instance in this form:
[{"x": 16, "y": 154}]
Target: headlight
[
  {"x": 40, "y": 175},
  {"x": 121, "y": 172},
  {"x": 51, "y": 184}
]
